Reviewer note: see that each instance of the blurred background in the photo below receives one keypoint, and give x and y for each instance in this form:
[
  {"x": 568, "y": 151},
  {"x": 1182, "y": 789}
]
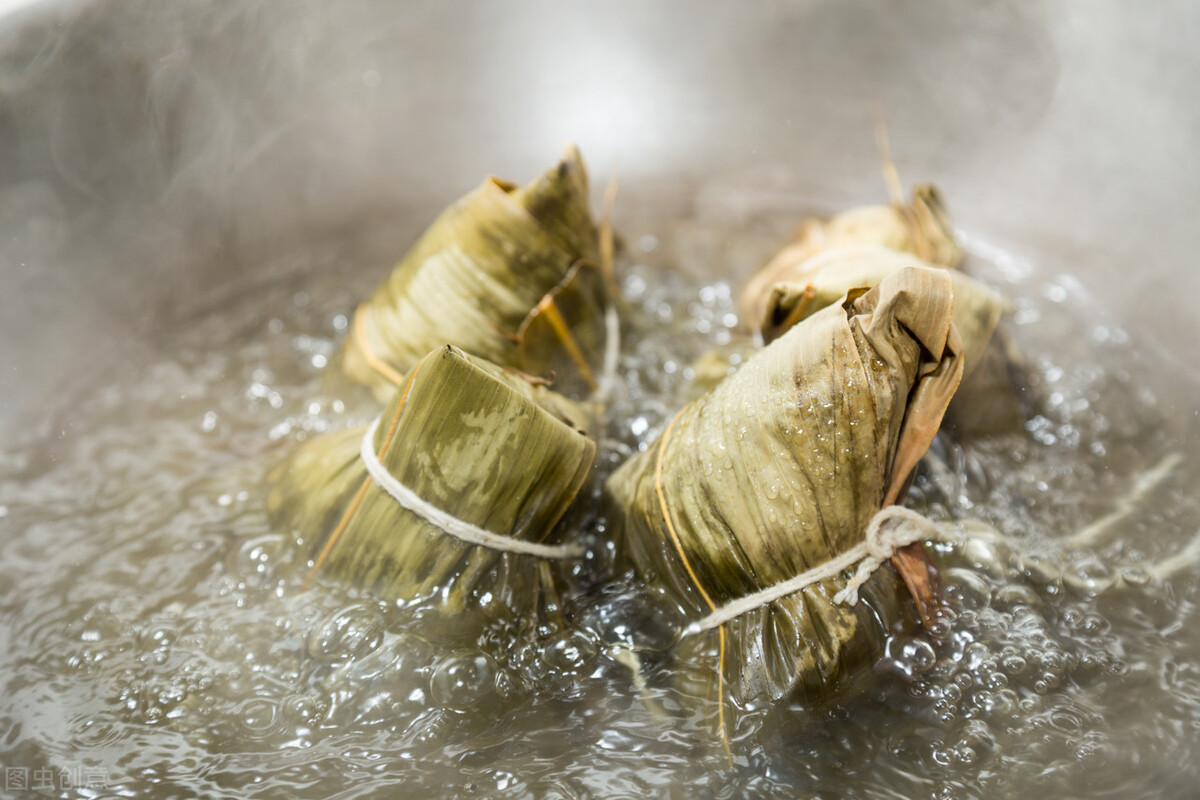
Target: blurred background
[{"x": 151, "y": 153}]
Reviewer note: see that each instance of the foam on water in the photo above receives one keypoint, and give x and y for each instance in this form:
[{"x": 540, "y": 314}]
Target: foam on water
[{"x": 157, "y": 643}]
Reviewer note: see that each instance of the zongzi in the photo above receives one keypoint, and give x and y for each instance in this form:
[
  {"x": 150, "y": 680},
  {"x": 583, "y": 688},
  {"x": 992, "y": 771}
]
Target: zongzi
[
  {"x": 921, "y": 228},
  {"x": 860, "y": 247},
  {"x": 780, "y": 470},
  {"x": 508, "y": 273},
  {"x": 825, "y": 278},
  {"x": 453, "y": 490}
]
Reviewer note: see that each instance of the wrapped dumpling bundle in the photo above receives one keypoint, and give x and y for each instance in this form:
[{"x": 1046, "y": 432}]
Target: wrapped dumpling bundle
[
  {"x": 990, "y": 400},
  {"x": 921, "y": 228},
  {"x": 859, "y": 248},
  {"x": 507, "y": 273},
  {"x": 825, "y": 278},
  {"x": 779, "y": 471},
  {"x": 455, "y": 489}
]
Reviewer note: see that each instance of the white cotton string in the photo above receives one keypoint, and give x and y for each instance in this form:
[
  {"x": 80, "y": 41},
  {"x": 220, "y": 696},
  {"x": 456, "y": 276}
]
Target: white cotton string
[
  {"x": 612, "y": 351},
  {"x": 1146, "y": 483},
  {"x": 879, "y": 544},
  {"x": 465, "y": 531}
]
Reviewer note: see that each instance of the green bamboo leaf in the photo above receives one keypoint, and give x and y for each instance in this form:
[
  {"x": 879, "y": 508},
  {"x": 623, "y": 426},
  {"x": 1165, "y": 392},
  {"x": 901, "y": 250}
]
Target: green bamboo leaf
[
  {"x": 488, "y": 264},
  {"x": 857, "y": 249},
  {"x": 781, "y": 467},
  {"x": 922, "y": 228},
  {"x": 484, "y": 444},
  {"x": 826, "y": 278}
]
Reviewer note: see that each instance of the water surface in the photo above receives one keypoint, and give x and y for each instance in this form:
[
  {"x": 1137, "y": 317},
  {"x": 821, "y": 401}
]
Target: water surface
[{"x": 156, "y": 645}]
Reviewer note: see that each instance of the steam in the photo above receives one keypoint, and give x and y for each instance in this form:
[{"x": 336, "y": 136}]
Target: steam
[{"x": 152, "y": 151}]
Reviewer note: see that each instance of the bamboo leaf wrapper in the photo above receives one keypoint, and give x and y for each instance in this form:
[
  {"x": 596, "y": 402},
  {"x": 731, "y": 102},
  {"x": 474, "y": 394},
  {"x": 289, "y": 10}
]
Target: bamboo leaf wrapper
[
  {"x": 824, "y": 279},
  {"x": 921, "y": 228},
  {"x": 781, "y": 467},
  {"x": 507, "y": 273},
  {"x": 490, "y": 447}
]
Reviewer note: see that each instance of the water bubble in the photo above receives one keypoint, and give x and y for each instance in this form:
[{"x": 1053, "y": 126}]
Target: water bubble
[
  {"x": 975, "y": 655},
  {"x": 970, "y": 590},
  {"x": 1088, "y": 576},
  {"x": 942, "y": 755},
  {"x": 1048, "y": 682},
  {"x": 303, "y": 709},
  {"x": 942, "y": 623},
  {"x": 1067, "y": 720},
  {"x": 462, "y": 682},
  {"x": 350, "y": 632},
  {"x": 965, "y": 754},
  {"x": 996, "y": 703},
  {"x": 995, "y": 680},
  {"x": 1040, "y": 569},
  {"x": 254, "y": 555},
  {"x": 910, "y": 655},
  {"x": 1014, "y": 596},
  {"x": 1057, "y": 662},
  {"x": 1013, "y": 664},
  {"x": 985, "y": 556},
  {"x": 1136, "y": 575},
  {"x": 257, "y": 715},
  {"x": 571, "y": 654},
  {"x": 977, "y": 737},
  {"x": 1094, "y": 660},
  {"x": 944, "y": 669},
  {"x": 158, "y": 635}
]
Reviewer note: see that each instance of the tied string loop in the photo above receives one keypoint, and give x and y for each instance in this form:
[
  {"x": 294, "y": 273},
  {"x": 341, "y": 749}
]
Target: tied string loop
[
  {"x": 890, "y": 529},
  {"x": 460, "y": 529}
]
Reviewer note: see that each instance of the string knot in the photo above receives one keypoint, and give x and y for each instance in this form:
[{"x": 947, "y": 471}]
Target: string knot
[
  {"x": 890, "y": 529},
  {"x": 882, "y": 540}
]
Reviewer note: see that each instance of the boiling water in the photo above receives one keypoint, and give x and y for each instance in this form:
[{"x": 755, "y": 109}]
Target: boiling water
[{"x": 154, "y": 646}]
